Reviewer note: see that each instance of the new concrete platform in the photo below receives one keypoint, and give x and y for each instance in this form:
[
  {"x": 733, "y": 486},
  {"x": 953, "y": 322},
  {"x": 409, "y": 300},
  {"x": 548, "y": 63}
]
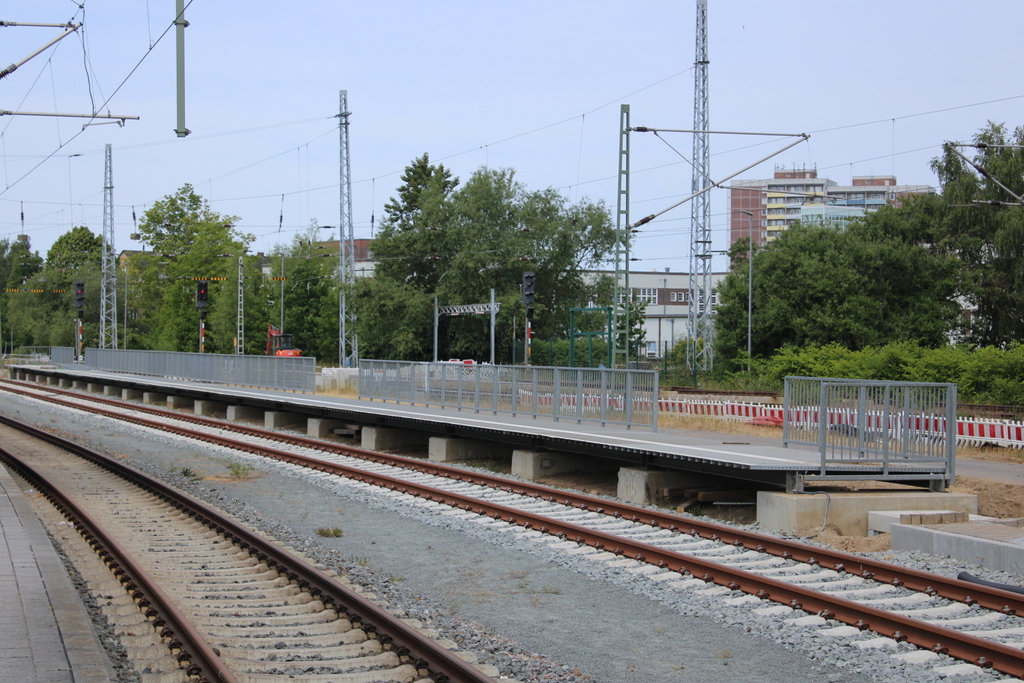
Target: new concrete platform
[{"x": 46, "y": 635}]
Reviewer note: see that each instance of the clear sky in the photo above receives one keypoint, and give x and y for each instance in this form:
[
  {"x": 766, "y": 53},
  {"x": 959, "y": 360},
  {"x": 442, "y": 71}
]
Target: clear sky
[{"x": 533, "y": 85}]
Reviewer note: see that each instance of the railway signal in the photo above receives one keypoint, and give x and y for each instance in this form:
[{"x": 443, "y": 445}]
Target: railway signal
[
  {"x": 79, "y": 299},
  {"x": 529, "y": 288},
  {"x": 202, "y": 293}
]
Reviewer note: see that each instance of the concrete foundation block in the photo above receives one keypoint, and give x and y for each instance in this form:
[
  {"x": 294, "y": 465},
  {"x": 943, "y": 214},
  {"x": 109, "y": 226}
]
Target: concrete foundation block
[
  {"x": 180, "y": 402},
  {"x": 244, "y": 413},
  {"x": 640, "y": 487},
  {"x": 451, "y": 449},
  {"x": 95, "y": 387},
  {"x": 803, "y": 513},
  {"x": 153, "y": 398},
  {"x": 52, "y": 381},
  {"x": 391, "y": 438},
  {"x": 208, "y": 408},
  {"x": 131, "y": 394},
  {"x": 534, "y": 465},
  {"x": 40, "y": 379},
  {"x": 280, "y": 419},
  {"x": 66, "y": 383},
  {"x": 111, "y": 390},
  {"x": 81, "y": 384},
  {"x": 319, "y": 427}
]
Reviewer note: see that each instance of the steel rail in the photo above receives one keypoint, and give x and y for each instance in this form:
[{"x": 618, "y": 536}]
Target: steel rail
[
  {"x": 938, "y": 639},
  {"x": 424, "y": 653},
  {"x": 164, "y": 616},
  {"x": 933, "y": 584}
]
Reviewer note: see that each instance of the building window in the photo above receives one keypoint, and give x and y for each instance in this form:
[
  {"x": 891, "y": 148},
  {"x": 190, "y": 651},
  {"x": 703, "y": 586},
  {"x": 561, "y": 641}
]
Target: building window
[{"x": 647, "y": 295}]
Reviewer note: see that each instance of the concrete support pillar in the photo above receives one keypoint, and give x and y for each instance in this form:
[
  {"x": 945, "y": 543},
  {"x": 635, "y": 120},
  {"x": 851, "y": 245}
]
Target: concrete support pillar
[
  {"x": 39, "y": 379},
  {"x": 280, "y": 419},
  {"x": 640, "y": 486},
  {"x": 66, "y": 383},
  {"x": 111, "y": 390},
  {"x": 180, "y": 402},
  {"x": 534, "y": 465},
  {"x": 95, "y": 387},
  {"x": 390, "y": 438},
  {"x": 451, "y": 449},
  {"x": 52, "y": 381},
  {"x": 319, "y": 427},
  {"x": 131, "y": 394},
  {"x": 208, "y": 408},
  {"x": 154, "y": 397},
  {"x": 81, "y": 384},
  {"x": 236, "y": 413}
]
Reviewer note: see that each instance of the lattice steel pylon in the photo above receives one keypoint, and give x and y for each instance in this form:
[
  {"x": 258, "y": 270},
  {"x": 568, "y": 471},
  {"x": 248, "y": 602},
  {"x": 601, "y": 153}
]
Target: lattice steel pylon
[
  {"x": 108, "y": 277},
  {"x": 621, "y": 294},
  {"x": 348, "y": 346},
  {"x": 701, "y": 325}
]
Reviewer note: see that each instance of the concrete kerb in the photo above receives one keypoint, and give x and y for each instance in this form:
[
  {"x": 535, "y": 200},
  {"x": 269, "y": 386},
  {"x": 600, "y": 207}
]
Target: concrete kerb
[{"x": 990, "y": 544}]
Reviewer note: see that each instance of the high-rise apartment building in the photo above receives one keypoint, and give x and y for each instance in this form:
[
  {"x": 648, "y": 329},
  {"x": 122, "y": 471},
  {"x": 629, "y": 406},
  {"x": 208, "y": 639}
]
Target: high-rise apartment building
[{"x": 800, "y": 195}]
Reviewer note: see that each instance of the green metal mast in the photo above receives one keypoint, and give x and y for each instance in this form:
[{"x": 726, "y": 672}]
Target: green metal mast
[{"x": 622, "y": 293}]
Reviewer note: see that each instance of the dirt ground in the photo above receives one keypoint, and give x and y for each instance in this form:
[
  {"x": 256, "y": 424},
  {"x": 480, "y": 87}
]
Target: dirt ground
[{"x": 995, "y": 498}]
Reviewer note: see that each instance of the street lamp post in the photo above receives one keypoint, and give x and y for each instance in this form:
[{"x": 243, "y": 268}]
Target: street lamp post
[{"x": 750, "y": 287}]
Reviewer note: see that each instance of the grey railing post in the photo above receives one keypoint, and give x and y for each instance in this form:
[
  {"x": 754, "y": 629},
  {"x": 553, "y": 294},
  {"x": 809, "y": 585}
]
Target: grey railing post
[
  {"x": 655, "y": 402},
  {"x": 533, "y": 405},
  {"x": 604, "y": 395},
  {"x": 556, "y": 394},
  {"x": 514, "y": 390},
  {"x": 579, "y": 396},
  {"x": 629, "y": 398},
  {"x": 822, "y": 422},
  {"x": 476, "y": 390}
]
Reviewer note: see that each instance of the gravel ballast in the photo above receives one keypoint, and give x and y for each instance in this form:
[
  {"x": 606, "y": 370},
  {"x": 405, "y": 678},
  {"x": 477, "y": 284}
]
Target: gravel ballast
[{"x": 535, "y": 613}]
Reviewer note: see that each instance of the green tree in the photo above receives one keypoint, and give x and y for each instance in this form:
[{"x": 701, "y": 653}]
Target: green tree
[
  {"x": 74, "y": 249},
  {"x": 987, "y": 239},
  {"x": 190, "y": 242},
  {"x": 867, "y": 284},
  {"x": 459, "y": 242}
]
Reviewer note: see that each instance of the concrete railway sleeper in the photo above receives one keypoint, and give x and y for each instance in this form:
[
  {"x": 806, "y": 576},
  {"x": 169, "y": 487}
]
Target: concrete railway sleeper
[
  {"x": 227, "y": 604},
  {"x": 928, "y": 610}
]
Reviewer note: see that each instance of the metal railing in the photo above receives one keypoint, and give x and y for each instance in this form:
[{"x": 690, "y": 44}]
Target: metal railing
[
  {"x": 892, "y": 429},
  {"x": 602, "y": 395},
  {"x": 265, "y": 372}
]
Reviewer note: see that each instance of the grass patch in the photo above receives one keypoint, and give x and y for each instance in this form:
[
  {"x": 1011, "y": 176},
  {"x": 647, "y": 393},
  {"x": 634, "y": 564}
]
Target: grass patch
[
  {"x": 330, "y": 532},
  {"x": 240, "y": 470},
  {"x": 189, "y": 473}
]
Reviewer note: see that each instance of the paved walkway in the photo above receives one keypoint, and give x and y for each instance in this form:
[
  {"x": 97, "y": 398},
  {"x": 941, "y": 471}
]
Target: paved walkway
[{"x": 46, "y": 635}]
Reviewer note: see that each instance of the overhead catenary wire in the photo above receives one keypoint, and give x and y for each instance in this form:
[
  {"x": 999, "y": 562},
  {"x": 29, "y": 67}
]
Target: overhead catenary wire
[{"x": 104, "y": 104}]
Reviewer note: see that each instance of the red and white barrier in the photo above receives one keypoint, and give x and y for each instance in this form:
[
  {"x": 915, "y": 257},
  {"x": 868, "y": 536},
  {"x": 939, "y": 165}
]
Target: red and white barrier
[{"x": 974, "y": 432}]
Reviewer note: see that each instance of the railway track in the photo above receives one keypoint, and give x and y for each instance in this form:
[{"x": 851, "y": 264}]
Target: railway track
[
  {"x": 199, "y": 597},
  {"x": 874, "y": 603}
]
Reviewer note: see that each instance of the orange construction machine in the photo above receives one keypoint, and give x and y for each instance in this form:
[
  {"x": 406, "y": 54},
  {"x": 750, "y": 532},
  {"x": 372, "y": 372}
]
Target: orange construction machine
[{"x": 280, "y": 344}]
